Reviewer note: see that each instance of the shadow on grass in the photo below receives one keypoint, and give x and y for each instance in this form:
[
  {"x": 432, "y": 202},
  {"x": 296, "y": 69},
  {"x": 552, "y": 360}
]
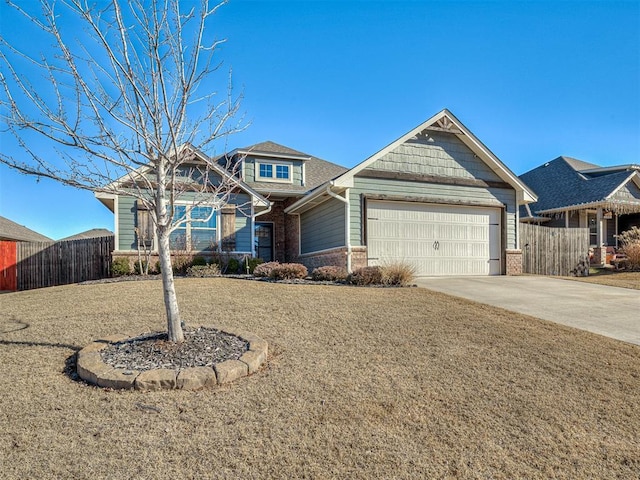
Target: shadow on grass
[{"x": 70, "y": 363}]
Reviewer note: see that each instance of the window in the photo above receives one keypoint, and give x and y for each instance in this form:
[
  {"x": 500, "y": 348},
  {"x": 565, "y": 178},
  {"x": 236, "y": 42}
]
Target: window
[
  {"x": 282, "y": 172},
  {"x": 266, "y": 171},
  {"x": 273, "y": 172},
  {"x": 197, "y": 228},
  {"x": 144, "y": 227}
]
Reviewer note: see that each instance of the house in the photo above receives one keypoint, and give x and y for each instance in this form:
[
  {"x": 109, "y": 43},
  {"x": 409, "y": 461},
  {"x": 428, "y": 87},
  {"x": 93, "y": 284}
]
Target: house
[
  {"x": 574, "y": 193},
  {"x": 93, "y": 233},
  {"x": 12, "y": 231},
  {"x": 436, "y": 198}
]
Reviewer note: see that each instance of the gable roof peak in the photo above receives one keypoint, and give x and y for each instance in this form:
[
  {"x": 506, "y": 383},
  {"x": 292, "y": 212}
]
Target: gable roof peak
[
  {"x": 578, "y": 165},
  {"x": 270, "y": 147}
]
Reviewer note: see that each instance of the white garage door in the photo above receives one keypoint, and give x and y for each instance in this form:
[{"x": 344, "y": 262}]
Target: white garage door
[{"x": 435, "y": 239}]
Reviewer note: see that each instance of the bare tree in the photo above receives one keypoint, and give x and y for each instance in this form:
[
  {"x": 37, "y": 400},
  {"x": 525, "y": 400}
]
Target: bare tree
[{"x": 122, "y": 102}]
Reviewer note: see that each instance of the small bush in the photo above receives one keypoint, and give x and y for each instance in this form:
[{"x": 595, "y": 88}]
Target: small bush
[
  {"x": 203, "y": 271},
  {"x": 181, "y": 263},
  {"x": 397, "y": 274},
  {"x": 233, "y": 265},
  {"x": 251, "y": 264},
  {"x": 288, "y": 271},
  {"x": 366, "y": 276},
  {"x": 329, "y": 273},
  {"x": 198, "y": 261},
  {"x": 140, "y": 267},
  {"x": 264, "y": 269},
  {"x": 120, "y": 266},
  {"x": 630, "y": 242}
]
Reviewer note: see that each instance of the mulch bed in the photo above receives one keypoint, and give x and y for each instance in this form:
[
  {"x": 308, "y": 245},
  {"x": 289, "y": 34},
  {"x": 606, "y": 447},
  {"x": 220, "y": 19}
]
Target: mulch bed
[{"x": 202, "y": 347}]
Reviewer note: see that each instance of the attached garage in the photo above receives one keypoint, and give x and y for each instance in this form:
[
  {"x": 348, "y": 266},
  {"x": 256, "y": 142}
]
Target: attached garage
[
  {"x": 435, "y": 198},
  {"x": 435, "y": 239}
]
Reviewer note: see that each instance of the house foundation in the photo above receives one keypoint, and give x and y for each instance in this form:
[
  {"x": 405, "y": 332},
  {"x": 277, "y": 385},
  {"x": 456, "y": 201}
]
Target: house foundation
[{"x": 335, "y": 256}]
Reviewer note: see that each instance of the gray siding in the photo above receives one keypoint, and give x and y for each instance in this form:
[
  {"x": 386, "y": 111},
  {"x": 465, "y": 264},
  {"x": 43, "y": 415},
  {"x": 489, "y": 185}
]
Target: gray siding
[
  {"x": 559, "y": 222},
  {"x": 630, "y": 192},
  {"x": 435, "y": 153},
  {"x": 243, "y": 222},
  {"x": 127, "y": 221},
  {"x": 323, "y": 227},
  {"x": 250, "y": 169},
  {"x": 436, "y": 192}
]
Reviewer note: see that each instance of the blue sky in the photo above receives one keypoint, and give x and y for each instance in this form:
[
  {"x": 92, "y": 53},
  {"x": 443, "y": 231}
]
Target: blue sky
[{"x": 340, "y": 80}]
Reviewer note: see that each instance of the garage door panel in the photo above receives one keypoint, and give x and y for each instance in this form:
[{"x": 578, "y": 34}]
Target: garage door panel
[{"x": 435, "y": 239}]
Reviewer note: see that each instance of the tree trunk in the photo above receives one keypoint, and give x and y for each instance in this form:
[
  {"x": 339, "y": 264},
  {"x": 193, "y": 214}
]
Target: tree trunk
[{"x": 174, "y": 325}]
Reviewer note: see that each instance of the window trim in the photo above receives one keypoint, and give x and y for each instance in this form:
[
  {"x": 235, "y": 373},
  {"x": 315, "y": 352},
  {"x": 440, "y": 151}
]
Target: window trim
[
  {"x": 186, "y": 225},
  {"x": 274, "y": 164}
]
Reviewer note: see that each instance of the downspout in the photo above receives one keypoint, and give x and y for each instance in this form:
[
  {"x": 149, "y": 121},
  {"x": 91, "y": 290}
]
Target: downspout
[{"x": 347, "y": 223}]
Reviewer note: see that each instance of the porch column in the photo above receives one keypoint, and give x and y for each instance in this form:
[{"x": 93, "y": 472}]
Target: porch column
[
  {"x": 566, "y": 219},
  {"x": 600, "y": 252},
  {"x": 599, "y": 228}
]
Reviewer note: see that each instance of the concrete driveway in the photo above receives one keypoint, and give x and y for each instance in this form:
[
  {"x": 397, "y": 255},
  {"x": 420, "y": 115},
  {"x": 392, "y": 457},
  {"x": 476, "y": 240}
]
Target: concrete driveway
[{"x": 610, "y": 311}]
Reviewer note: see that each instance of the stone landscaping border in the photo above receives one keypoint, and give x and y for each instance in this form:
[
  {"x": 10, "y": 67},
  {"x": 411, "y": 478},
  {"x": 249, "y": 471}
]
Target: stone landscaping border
[{"x": 93, "y": 370}]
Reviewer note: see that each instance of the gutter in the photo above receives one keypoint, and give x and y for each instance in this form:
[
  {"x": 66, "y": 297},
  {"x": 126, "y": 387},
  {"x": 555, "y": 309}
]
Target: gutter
[{"x": 347, "y": 223}]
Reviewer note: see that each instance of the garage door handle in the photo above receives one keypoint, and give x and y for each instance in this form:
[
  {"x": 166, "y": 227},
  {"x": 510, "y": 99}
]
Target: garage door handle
[{"x": 436, "y": 245}]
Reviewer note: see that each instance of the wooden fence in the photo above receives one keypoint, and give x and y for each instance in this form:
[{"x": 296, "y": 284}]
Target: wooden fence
[
  {"x": 41, "y": 265},
  {"x": 554, "y": 251}
]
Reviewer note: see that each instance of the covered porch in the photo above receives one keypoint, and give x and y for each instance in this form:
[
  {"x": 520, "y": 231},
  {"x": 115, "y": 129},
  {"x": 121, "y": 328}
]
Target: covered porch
[{"x": 605, "y": 221}]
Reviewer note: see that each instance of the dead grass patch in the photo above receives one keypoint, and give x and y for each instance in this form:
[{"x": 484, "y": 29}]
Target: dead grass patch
[
  {"x": 361, "y": 383},
  {"x": 613, "y": 278}
]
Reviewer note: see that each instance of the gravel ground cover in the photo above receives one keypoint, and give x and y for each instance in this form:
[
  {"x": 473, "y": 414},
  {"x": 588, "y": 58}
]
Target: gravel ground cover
[
  {"x": 613, "y": 278},
  {"x": 361, "y": 383}
]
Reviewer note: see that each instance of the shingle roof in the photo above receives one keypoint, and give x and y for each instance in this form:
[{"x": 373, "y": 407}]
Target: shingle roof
[
  {"x": 559, "y": 183},
  {"x": 10, "y": 230},
  {"x": 272, "y": 147},
  {"x": 93, "y": 233},
  {"x": 579, "y": 165},
  {"x": 317, "y": 171}
]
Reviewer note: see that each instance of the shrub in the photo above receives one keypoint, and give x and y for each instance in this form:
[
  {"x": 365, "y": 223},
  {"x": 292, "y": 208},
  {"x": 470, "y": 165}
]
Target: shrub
[
  {"x": 264, "y": 270},
  {"x": 252, "y": 263},
  {"x": 202, "y": 271},
  {"x": 288, "y": 271},
  {"x": 397, "y": 274},
  {"x": 198, "y": 260},
  {"x": 366, "y": 276},
  {"x": 233, "y": 265},
  {"x": 140, "y": 267},
  {"x": 120, "y": 266},
  {"x": 630, "y": 241},
  {"x": 180, "y": 263},
  {"x": 329, "y": 273}
]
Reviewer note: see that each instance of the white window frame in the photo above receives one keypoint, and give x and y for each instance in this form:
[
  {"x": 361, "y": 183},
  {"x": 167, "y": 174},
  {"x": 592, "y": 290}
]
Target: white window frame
[
  {"x": 186, "y": 225},
  {"x": 274, "y": 164}
]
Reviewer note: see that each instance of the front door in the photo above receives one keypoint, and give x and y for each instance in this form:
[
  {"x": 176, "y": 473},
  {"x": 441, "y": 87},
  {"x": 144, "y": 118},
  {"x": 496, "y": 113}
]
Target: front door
[{"x": 264, "y": 241}]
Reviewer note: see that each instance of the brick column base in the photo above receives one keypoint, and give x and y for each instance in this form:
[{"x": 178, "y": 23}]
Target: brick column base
[
  {"x": 514, "y": 262},
  {"x": 599, "y": 256}
]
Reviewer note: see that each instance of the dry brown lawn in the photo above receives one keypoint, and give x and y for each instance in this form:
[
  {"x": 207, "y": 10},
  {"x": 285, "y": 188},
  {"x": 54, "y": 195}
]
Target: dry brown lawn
[
  {"x": 613, "y": 278},
  {"x": 362, "y": 383}
]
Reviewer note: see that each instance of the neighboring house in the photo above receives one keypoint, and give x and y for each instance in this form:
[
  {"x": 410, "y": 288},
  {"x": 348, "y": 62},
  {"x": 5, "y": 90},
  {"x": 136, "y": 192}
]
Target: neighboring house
[
  {"x": 573, "y": 193},
  {"x": 436, "y": 198},
  {"x": 12, "y": 231},
  {"x": 93, "y": 233}
]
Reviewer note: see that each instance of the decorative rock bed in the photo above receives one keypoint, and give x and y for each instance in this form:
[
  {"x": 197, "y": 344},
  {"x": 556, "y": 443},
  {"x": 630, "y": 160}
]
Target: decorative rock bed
[{"x": 93, "y": 368}]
